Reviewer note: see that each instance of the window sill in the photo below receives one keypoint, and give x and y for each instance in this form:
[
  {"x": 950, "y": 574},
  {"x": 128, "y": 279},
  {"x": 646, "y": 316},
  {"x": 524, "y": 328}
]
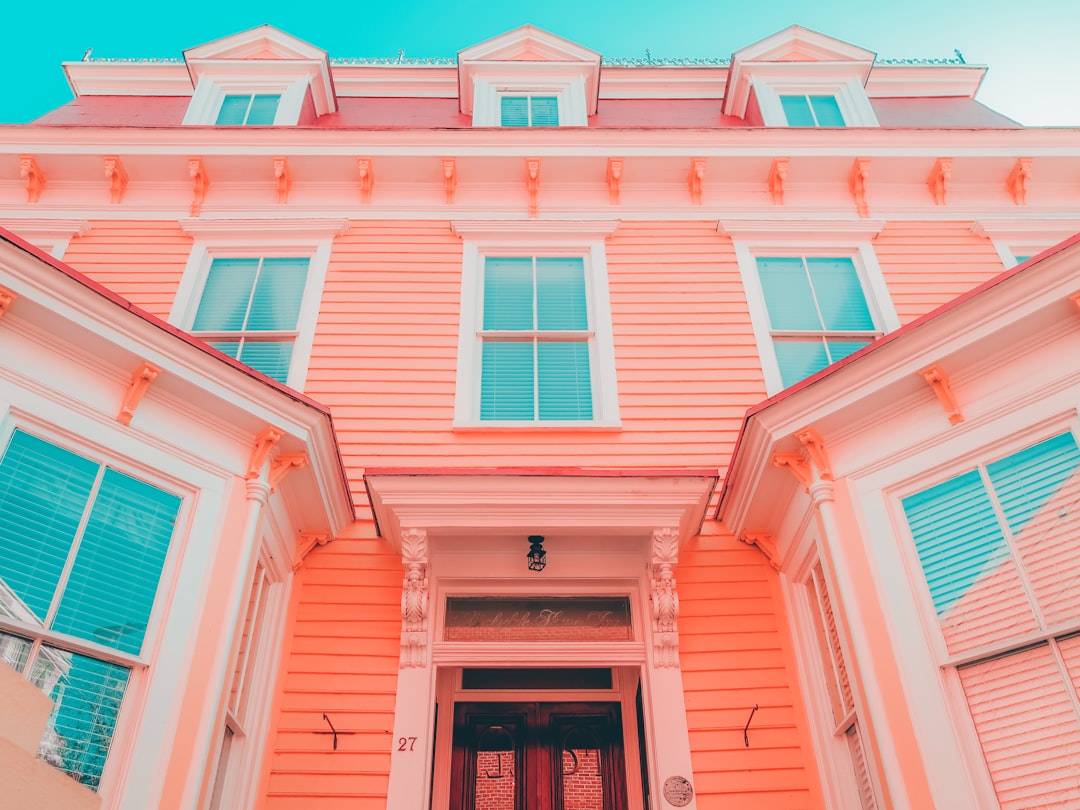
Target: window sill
[{"x": 545, "y": 427}]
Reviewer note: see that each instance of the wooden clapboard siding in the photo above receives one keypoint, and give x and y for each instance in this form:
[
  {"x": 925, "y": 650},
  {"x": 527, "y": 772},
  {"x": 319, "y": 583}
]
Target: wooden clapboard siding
[
  {"x": 927, "y": 264},
  {"x": 343, "y": 660},
  {"x": 735, "y": 653},
  {"x": 385, "y": 353},
  {"x": 142, "y": 260}
]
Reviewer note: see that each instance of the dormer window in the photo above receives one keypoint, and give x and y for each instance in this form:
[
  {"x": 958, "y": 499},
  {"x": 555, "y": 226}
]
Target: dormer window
[
  {"x": 248, "y": 110},
  {"x": 529, "y": 111},
  {"x": 812, "y": 111}
]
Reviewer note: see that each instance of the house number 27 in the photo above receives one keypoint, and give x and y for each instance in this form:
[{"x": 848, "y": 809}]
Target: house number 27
[{"x": 406, "y": 744}]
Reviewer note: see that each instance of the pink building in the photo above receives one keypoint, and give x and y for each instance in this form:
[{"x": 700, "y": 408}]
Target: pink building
[{"x": 535, "y": 430}]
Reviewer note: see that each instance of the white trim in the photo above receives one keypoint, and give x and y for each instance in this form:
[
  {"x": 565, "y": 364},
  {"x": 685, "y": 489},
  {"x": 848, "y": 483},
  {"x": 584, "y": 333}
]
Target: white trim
[
  {"x": 521, "y": 240},
  {"x": 211, "y": 90},
  {"x": 1024, "y": 237},
  {"x": 51, "y": 235},
  {"x": 753, "y": 240},
  {"x": 849, "y": 93}
]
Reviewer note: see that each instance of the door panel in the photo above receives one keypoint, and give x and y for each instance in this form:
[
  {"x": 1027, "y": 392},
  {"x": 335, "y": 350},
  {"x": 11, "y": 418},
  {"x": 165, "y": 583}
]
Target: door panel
[{"x": 537, "y": 756}]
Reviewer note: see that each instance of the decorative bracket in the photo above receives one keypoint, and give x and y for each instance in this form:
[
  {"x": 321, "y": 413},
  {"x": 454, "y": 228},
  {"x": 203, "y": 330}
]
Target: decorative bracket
[
  {"x": 814, "y": 445},
  {"x": 939, "y": 179},
  {"x": 1075, "y": 298},
  {"x": 35, "y": 179},
  {"x": 777, "y": 176},
  {"x": 283, "y": 465},
  {"x": 860, "y": 172},
  {"x": 1017, "y": 181},
  {"x": 263, "y": 443},
  {"x": 199, "y": 184},
  {"x": 284, "y": 179},
  {"x": 696, "y": 179},
  {"x": 306, "y": 544},
  {"x": 532, "y": 184},
  {"x": 665, "y": 597},
  {"x": 117, "y": 176},
  {"x": 614, "y": 175},
  {"x": 795, "y": 464},
  {"x": 765, "y": 543},
  {"x": 140, "y": 381},
  {"x": 939, "y": 381},
  {"x": 367, "y": 178},
  {"x": 414, "y": 598},
  {"x": 6, "y": 299},
  {"x": 449, "y": 171}
]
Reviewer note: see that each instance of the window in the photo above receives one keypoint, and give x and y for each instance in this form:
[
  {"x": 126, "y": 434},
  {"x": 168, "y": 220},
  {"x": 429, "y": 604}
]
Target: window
[
  {"x": 817, "y": 312},
  {"x": 248, "y": 110},
  {"x": 535, "y": 344},
  {"x": 82, "y": 547},
  {"x": 997, "y": 548},
  {"x": 812, "y": 111},
  {"x": 249, "y": 309},
  {"x": 529, "y": 111}
]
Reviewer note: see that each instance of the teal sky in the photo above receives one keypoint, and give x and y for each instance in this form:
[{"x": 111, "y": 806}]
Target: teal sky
[{"x": 1030, "y": 46}]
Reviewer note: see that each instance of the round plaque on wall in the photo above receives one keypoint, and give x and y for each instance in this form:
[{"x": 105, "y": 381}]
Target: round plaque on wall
[{"x": 678, "y": 791}]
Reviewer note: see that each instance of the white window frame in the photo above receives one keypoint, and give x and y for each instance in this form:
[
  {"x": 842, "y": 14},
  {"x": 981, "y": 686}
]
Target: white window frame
[
  {"x": 308, "y": 239},
  {"x": 569, "y": 89},
  {"x": 576, "y": 240},
  {"x": 849, "y": 93},
  {"x": 50, "y": 235},
  {"x": 1023, "y": 237},
  {"x": 807, "y": 239},
  {"x": 211, "y": 90}
]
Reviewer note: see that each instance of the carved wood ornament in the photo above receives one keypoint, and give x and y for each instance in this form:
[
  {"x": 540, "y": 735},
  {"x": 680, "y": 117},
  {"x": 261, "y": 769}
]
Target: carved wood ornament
[
  {"x": 200, "y": 183},
  {"x": 860, "y": 172},
  {"x": 264, "y": 442},
  {"x": 414, "y": 598},
  {"x": 532, "y": 184},
  {"x": 449, "y": 169},
  {"x": 614, "y": 176},
  {"x": 306, "y": 543},
  {"x": 939, "y": 179},
  {"x": 938, "y": 380},
  {"x": 766, "y": 544},
  {"x": 777, "y": 176},
  {"x": 7, "y": 297},
  {"x": 284, "y": 179},
  {"x": 696, "y": 179},
  {"x": 140, "y": 382},
  {"x": 284, "y": 464},
  {"x": 35, "y": 179},
  {"x": 117, "y": 176},
  {"x": 1017, "y": 181},
  {"x": 665, "y": 597},
  {"x": 367, "y": 178}
]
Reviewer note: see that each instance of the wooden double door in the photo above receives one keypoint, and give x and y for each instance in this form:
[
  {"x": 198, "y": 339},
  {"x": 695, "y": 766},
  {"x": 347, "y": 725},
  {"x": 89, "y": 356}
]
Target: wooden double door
[{"x": 537, "y": 756}]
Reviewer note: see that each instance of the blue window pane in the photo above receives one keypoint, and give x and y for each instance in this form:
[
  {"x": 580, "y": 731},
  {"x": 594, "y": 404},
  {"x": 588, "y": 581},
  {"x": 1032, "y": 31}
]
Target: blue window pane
[
  {"x": 226, "y": 295},
  {"x": 839, "y": 349},
  {"x": 798, "y": 359},
  {"x": 544, "y": 111},
  {"x": 86, "y": 695},
  {"x": 1026, "y": 481},
  {"x": 278, "y": 293},
  {"x": 263, "y": 109},
  {"x": 560, "y": 294},
  {"x": 797, "y": 111},
  {"x": 112, "y": 585},
  {"x": 957, "y": 536},
  {"x": 508, "y": 294},
  {"x": 43, "y": 494},
  {"x": 14, "y": 651},
  {"x": 788, "y": 297},
  {"x": 229, "y": 347},
  {"x": 839, "y": 294},
  {"x": 233, "y": 111},
  {"x": 507, "y": 380},
  {"x": 564, "y": 381},
  {"x": 271, "y": 357},
  {"x": 827, "y": 111},
  {"x": 514, "y": 111}
]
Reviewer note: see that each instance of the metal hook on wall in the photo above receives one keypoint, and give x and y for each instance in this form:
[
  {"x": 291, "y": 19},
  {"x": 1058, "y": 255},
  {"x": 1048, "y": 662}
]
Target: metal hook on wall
[
  {"x": 746, "y": 728},
  {"x": 332, "y": 730}
]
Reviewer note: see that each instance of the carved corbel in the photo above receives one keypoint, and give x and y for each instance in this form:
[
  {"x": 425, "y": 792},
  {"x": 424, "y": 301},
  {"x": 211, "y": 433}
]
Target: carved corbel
[
  {"x": 665, "y": 597},
  {"x": 532, "y": 184},
  {"x": 35, "y": 179},
  {"x": 1075, "y": 298},
  {"x": 261, "y": 449},
  {"x": 306, "y": 544},
  {"x": 777, "y": 176},
  {"x": 797, "y": 465},
  {"x": 200, "y": 183},
  {"x": 765, "y": 543},
  {"x": 614, "y": 176},
  {"x": 7, "y": 297},
  {"x": 284, "y": 179},
  {"x": 449, "y": 171},
  {"x": 117, "y": 176},
  {"x": 814, "y": 445},
  {"x": 939, "y": 179},
  {"x": 283, "y": 465},
  {"x": 860, "y": 172},
  {"x": 367, "y": 178},
  {"x": 1017, "y": 181},
  {"x": 414, "y": 598},
  {"x": 939, "y": 382},
  {"x": 696, "y": 179},
  {"x": 140, "y": 381}
]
